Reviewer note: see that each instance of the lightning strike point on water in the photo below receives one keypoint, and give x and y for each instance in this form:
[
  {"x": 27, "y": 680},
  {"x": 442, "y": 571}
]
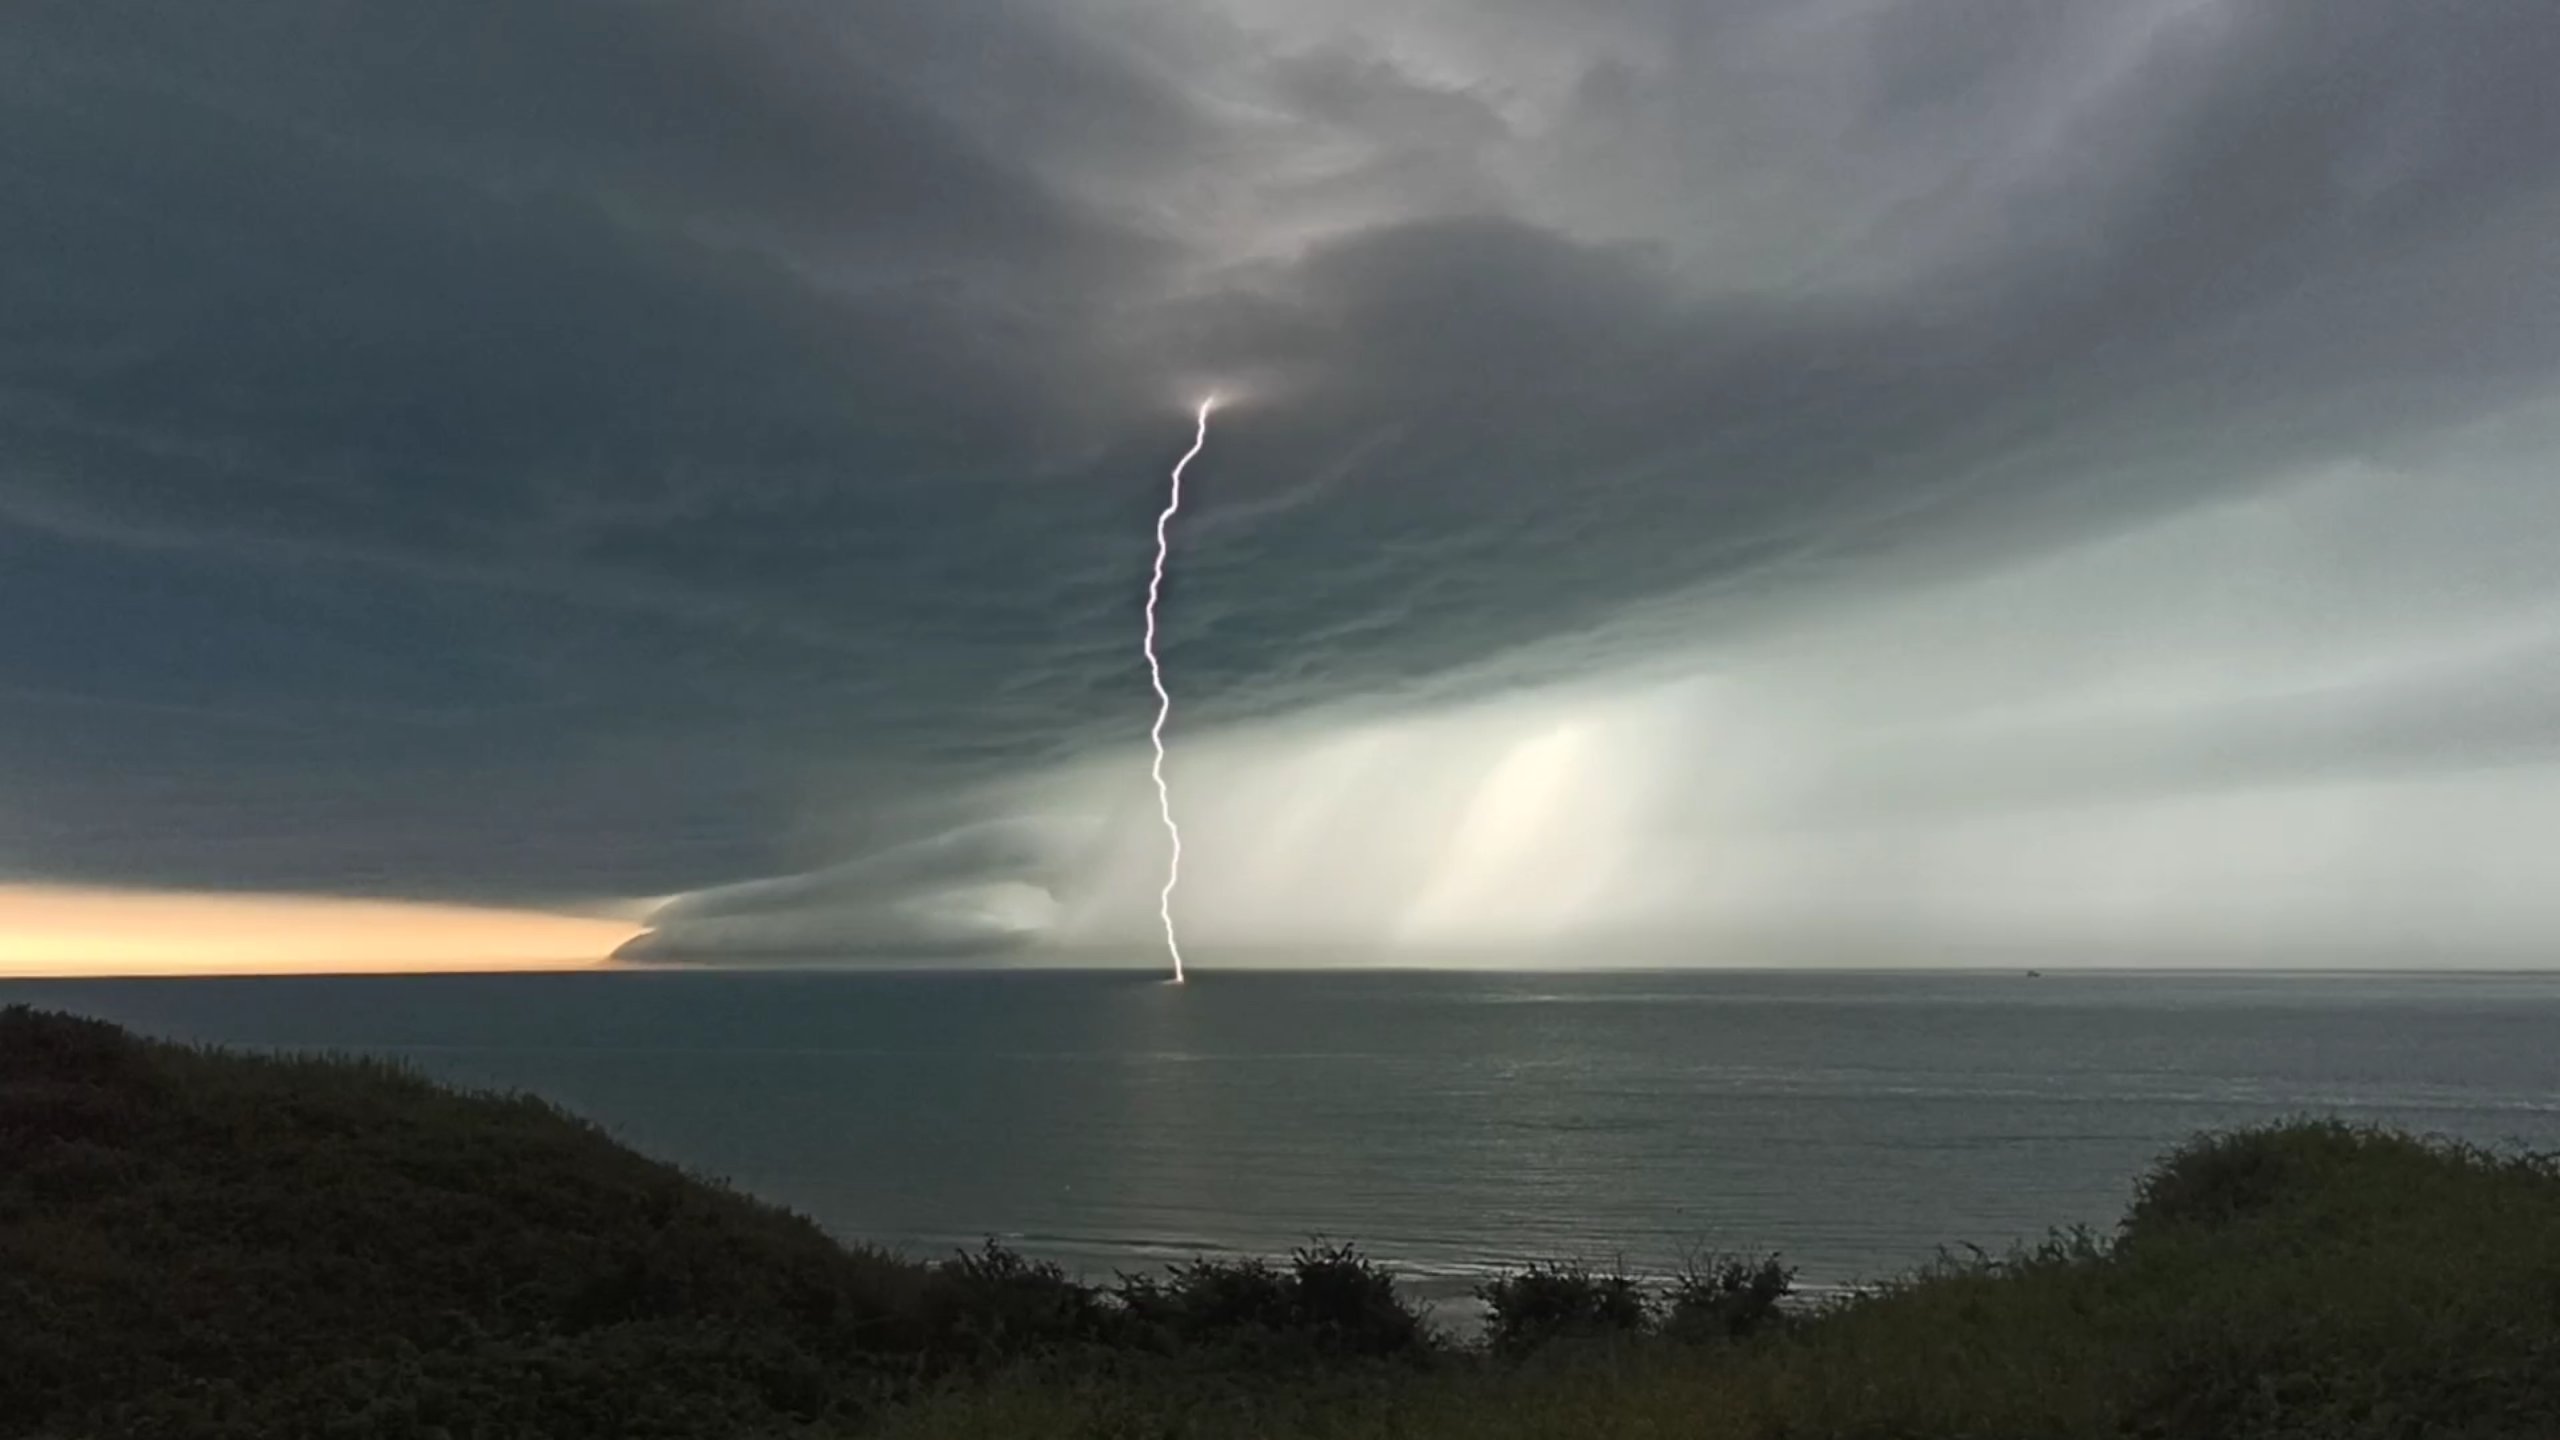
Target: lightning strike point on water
[{"x": 1164, "y": 698}]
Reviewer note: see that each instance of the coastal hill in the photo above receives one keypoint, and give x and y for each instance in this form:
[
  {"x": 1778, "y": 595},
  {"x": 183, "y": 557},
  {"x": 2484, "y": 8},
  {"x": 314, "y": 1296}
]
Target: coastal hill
[{"x": 196, "y": 1243}]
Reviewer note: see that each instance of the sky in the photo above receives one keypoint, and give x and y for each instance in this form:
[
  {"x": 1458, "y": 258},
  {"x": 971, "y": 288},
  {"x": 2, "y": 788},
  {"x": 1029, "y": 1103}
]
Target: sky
[{"x": 1738, "y": 481}]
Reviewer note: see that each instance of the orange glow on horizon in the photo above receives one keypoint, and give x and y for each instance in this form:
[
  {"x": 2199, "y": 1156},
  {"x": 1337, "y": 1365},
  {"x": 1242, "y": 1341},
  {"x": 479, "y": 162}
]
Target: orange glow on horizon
[{"x": 57, "y": 932}]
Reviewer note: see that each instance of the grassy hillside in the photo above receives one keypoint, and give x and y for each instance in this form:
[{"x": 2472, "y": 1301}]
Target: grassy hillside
[{"x": 194, "y": 1244}]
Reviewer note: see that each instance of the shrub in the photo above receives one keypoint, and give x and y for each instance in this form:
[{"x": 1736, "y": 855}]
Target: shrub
[
  {"x": 1553, "y": 1300},
  {"x": 2215, "y": 1179},
  {"x": 1351, "y": 1305},
  {"x": 1331, "y": 1300},
  {"x": 993, "y": 1302},
  {"x": 1726, "y": 1297},
  {"x": 1207, "y": 1298}
]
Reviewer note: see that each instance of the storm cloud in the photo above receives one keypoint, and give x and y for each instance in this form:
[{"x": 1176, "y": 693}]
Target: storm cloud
[{"x": 1842, "y": 470}]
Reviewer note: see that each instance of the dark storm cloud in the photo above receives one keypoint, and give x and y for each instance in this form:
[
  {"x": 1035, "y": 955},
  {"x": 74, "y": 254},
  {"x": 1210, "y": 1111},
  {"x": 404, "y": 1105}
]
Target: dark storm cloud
[
  {"x": 451, "y": 392},
  {"x": 500, "y": 450}
]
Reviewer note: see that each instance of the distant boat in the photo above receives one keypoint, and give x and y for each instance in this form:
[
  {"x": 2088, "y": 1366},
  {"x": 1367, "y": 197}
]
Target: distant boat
[{"x": 2035, "y": 974}]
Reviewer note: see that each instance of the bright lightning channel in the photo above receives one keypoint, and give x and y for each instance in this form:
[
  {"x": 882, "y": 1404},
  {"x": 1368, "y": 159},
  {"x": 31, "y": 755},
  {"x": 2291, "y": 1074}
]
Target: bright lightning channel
[{"x": 1164, "y": 697}]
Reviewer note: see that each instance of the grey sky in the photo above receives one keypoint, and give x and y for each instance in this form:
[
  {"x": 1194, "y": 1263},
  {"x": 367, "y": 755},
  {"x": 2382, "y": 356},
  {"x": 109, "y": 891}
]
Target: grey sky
[{"x": 504, "y": 451}]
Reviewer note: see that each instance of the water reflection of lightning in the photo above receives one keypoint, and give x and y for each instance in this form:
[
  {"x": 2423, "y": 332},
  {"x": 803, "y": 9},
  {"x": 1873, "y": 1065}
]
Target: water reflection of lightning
[{"x": 1164, "y": 698}]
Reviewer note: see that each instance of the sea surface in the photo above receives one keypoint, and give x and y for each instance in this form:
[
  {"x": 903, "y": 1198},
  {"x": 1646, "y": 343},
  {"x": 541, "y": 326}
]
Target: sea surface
[{"x": 1446, "y": 1122}]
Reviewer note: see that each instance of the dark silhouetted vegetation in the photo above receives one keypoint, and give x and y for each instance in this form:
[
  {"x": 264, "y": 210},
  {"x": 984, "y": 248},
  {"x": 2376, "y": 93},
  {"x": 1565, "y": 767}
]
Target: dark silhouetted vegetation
[
  {"x": 1562, "y": 1300},
  {"x": 1330, "y": 1302},
  {"x": 1726, "y": 1297},
  {"x": 198, "y": 1244}
]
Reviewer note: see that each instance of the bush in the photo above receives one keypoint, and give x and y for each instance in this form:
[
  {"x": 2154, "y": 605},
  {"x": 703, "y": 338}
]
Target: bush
[
  {"x": 1208, "y": 1299},
  {"x": 1331, "y": 1300},
  {"x": 1554, "y": 1300},
  {"x": 2217, "y": 1179},
  {"x": 992, "y": 1303},
  {"x": 1726, "y": 1297},
  {"x": 1350, "y": 1304}
]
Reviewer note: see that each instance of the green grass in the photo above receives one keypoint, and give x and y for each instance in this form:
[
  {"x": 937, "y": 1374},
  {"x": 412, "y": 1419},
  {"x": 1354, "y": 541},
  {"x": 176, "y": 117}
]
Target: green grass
[
  {"x": 202, "y": 1244},
  {"x": 2308, "y": 1280}
]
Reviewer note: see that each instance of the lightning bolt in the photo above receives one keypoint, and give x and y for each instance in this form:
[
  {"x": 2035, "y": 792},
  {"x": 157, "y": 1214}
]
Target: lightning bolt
[{"x": 1164, "y": 697}]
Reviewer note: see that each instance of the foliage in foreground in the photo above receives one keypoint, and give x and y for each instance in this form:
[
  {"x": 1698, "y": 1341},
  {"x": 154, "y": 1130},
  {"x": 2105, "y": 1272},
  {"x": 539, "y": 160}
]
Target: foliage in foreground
[
  {"x": 203, "y": 1244},
  {"x": 2311, "y": 1280}
]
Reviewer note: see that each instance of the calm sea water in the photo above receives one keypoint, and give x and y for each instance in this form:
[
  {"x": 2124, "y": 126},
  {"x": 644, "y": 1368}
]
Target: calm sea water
[{"x": 1444, "y": 1121}]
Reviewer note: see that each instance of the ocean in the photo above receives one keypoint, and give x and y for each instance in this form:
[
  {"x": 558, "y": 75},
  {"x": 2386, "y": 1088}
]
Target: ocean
[{"x": 1446, "y": 1122}]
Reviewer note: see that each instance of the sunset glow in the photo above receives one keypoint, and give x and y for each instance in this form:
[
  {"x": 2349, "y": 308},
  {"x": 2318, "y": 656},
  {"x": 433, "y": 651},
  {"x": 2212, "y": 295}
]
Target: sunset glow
[{"x": 55, "y": 931}]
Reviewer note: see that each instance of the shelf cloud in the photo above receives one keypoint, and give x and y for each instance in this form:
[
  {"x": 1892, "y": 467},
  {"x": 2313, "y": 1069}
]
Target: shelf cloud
[{"x": 1908, "y": 478}]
